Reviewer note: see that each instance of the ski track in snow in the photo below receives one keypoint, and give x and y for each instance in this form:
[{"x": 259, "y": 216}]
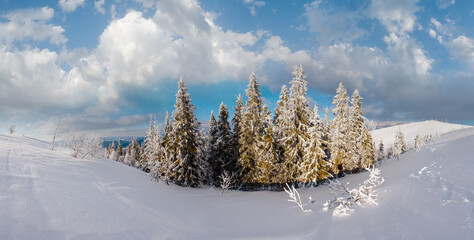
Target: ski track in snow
[
  {"x": 448, "y": 192},
  {"x": 47, "y": 194}
]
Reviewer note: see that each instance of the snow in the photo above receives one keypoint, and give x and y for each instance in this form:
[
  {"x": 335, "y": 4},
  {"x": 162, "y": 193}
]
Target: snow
[
  {"x": 46, "y": 194},
  {"x": 410, "y": 130}
]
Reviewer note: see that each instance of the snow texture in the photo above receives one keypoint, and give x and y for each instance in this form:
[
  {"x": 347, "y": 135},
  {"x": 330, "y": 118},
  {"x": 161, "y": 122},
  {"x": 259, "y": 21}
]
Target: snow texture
[{"x": 48, "y": 194}]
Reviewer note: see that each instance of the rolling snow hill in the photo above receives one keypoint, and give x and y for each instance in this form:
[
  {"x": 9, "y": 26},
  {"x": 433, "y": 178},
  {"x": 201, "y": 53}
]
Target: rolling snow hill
[
  {"x": 410, "y": 130},
  {"x": 46, "y": 194}
]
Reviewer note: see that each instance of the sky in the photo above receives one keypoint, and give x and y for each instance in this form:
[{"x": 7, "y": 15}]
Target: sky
[{"x": 104, "y": 66}]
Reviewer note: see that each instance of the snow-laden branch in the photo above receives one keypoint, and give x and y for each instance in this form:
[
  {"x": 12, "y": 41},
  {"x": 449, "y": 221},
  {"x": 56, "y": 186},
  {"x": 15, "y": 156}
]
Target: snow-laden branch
[{"x": 295, "y": 197}]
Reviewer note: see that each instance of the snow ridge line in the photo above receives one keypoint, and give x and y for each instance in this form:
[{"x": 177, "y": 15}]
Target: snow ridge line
[{"x": 449, "y": 193}]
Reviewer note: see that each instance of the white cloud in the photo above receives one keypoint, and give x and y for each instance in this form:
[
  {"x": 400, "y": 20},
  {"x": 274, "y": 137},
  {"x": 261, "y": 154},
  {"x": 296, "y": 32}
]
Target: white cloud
[
  {"x": 398, "y": 16},
  {"x": 98, "y": 5},
  {"x": 444, "y": 3},
  {"x": 70, "y": 5},
  {"x": 31, "y": 24},
  {"x": 253, "y": 4},
  {"x": 333, "y": 26},
  {"x": 432, "y": 33},
  {"x": 462, "y": 47},
  {"x": 147, "y": 3}
]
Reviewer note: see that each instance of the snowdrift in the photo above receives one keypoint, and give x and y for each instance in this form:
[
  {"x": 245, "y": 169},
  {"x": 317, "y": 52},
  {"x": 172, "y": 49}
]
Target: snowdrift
[
  {"x": 46, "y": 194},
  {"x": 410, "y": 130}
]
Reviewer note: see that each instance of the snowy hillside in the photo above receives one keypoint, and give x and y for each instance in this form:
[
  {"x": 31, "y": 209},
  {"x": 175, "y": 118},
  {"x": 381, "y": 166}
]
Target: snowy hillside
[
  {"x": 49, "y": 195},
  {"x": 410, "y": 130}
]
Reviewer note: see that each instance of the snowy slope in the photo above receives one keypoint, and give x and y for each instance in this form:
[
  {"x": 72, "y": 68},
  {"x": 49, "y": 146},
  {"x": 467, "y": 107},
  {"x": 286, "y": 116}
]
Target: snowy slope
[
  {"x": 48, "y": 195},
  {"x": 410, "y": 130}
]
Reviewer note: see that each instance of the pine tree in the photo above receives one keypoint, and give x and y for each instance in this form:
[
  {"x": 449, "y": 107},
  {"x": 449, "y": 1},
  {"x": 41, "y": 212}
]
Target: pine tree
[
  {"x": 418, "y": 143},
  {"x": 251, "y": 129},
  {"x": 184, "y": 170},
  {"x": 381, "y": 151},
  {"x": 339, "y": 130},
  {"x": 169, "y": 150},
  {"x": 119, "y": 151},
  {"x": 367, "y": 150},
  {"x": 267, "y": 162},
  {"x": 297, "y": 133},
  {"x": 204, "y": 168},
  {"x": 212, "y": 156},
  {"x": 313, "y": 167},
  {"x": 236, "y": 130},
  {"x": 224, "y": 143},
  {"x": 326, "y": 137},
  {"x": 152, "y": 152},
  {"x": 399, "y": 145}
]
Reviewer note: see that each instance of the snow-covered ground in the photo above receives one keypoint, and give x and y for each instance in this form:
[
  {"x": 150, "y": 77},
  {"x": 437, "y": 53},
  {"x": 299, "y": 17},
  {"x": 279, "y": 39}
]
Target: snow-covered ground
[
  {"x": 410, "y": 130},
  {"x": 49, "y": 195}
]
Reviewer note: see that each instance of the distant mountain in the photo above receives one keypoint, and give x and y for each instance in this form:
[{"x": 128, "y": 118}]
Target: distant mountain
[{"x": 125, "y": 141}]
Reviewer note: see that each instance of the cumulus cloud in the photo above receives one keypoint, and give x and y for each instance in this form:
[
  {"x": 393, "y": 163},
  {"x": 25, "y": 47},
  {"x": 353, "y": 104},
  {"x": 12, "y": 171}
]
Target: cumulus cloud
[
  {"x": 30, "y": 24},
  {"x": 98, "y": 5},
  {"x": 462, "y": 47},
  {"x": 444, "y": 3},
  {"x": 332, "y": 25},
  {"x": 70, "y": 5},
  {"x": 254, "y": 4}
]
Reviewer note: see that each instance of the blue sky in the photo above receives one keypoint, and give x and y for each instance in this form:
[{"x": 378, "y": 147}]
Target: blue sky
[{"x": 105, "y": 65}]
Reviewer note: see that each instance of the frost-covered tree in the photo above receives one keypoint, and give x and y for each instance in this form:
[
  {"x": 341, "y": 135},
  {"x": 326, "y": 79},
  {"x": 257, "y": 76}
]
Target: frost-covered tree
[
  {"x": 251, "y": 129},
  {"x": 326, "y": 137},
  {"x": 281, "y": 120},
  {"x": 339, "y": 130},
  {"x": 169, "y": 150},
  {"x": 119, "y": 151},
  {"x": 380, "y": 151},
  {"x": 296, "y": 135},
  {"x": 184, "y": 169},
  {"x": 236, "y": 131},
  {"x": 267, "y": 162},
  {"x": 399, "y": 146},
  {"x": 361, "y": 149},
  {"x": 152, "y": 153},
  {"x": 418, "y": 143},
  {"x": 224, "y": 142},
  {"x": 212, "y": 155},
  {"x": 313, "y": 167}
]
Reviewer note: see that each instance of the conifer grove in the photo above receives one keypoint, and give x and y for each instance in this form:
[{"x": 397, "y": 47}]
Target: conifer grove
[{"x": 255, "y": 149}]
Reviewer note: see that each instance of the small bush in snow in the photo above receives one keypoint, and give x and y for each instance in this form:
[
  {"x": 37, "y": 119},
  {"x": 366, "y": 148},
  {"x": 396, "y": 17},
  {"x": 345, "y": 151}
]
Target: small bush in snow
[
  {"x": 227, "y": 180},
  {"x": 344, "y": 198},
  {"x": 295, "y": 197}
]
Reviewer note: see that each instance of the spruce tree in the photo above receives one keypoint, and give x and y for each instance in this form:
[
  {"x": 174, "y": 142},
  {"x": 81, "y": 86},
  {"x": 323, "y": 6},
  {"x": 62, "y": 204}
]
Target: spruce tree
[
  {"x": 295, "y": 136},
  {"x": 267, "y": 162},
  {"x": 399, "y": 146},
  {"x": 418, "y": 143},
  {"x": 169, "y": 149},
  {"x": 251, "y": 129},
  {"x": 326, "y": 138},
  {"x": 224, "y": 143},
  {"x": 184, "y": 170},
  {"x": 313, "y": 167},
  {"x": 212, "y": 155},
  {"x": 236, "y": 130},
  {"x": 339, "y": 130},
  {"x": 381, "y": 151}
]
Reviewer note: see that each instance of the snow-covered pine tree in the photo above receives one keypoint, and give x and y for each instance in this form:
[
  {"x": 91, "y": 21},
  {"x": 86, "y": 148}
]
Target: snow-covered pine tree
[
  {"x": 380, "y": 151},
  {"x": 281, "y": 121},
  {"x": 184, "y": 171},
  {"x": 236, "y": 130},
  {"x": 119, "y": 151},
  {"x": 251, "y": 129},
  {"x": 212, "y": 156},
  {"x": 418, "y": 143},
  {"x": 150, "y": 152},
  {"x": 326, "y": 137},
  {"x": 135, "y": 153},
  {"x": 169, "y": 150},
  {"x": 360, "y": 146},
  {"x": 339, "y": 130},
  {"x": 313, "y": 167},
  {"x": 204, "y": 168},
  {"x": 399, "y": 146},
  {"x": 367, "y": 150},
  {"x": 112, "y": 152},
  {"x": 295, "y": 137},
  {"x": 267, "y": 162},
  {"x": 224, "y": 142}
]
